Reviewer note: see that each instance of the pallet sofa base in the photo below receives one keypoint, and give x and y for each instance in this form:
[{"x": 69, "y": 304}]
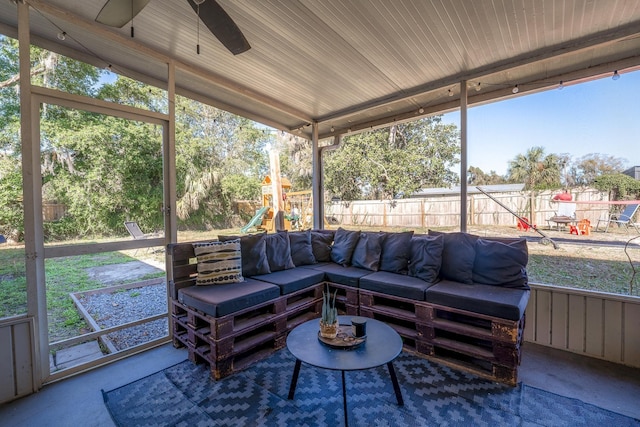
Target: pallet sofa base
[
  {"x": 487, "y": 346},
  {"x": 232, "y": 342}
]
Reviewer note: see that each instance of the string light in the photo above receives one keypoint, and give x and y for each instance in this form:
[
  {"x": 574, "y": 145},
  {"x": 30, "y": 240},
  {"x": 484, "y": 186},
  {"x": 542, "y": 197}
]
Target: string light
[
  {"x": 132, "y": 15},
  {"x": 516, "y": 88},
  {"x": 332, "y": 129},
  {"x": 62, "y": 35},
  {"x": 450, "y": 92},
  {"x": 421, "y": 110}
]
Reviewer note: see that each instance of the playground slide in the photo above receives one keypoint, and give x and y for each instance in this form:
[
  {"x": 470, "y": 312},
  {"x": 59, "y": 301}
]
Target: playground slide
[{"x": 256, "y": 220}]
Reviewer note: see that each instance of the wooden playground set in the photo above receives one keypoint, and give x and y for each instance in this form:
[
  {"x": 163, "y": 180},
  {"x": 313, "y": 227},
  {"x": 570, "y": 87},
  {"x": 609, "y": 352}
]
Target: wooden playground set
[{"x": 296, "y": 205}]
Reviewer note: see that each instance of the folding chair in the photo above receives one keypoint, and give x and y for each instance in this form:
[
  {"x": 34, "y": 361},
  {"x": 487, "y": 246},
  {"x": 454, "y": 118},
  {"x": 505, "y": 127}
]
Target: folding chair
[
  {"x": 624, "y": 218},
  {"x": 134, "y": 230}
]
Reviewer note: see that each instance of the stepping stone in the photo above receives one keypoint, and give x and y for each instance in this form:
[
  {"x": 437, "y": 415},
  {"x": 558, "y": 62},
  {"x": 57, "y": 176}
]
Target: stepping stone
[{"x": 75, "y": 355}]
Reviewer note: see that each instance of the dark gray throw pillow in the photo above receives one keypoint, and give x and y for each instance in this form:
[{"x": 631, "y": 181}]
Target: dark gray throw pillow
[
  {"x": 279, "y": 251},
  {"x": 367, "y": 251},
  {"x": 344, "y": 242},
  {"x": 458, "y": 256},
  {"x": 396, "y": 249},
  {"x": 426, "y": 257},
  {"x": 501, "y": 264},
  {"x": 253, "y": 249},
  {"x": 321, "y": 241},
  {"x": 301, "y": 249}
]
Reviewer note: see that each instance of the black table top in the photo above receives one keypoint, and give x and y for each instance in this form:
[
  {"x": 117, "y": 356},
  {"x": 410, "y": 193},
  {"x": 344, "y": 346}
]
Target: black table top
[{"x": 383, "y": 344}]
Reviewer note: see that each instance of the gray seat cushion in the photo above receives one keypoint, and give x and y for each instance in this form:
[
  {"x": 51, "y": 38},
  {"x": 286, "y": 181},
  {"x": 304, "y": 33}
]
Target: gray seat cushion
[
  {"x": 293, "y": 279},
  {"x": 220, "y": 300},
  {"x": 314, "y": 266},
  {"x": 496, "y": 301},
  {"x": 395, "y": 284},
  {"x": 343, "y": 275}
]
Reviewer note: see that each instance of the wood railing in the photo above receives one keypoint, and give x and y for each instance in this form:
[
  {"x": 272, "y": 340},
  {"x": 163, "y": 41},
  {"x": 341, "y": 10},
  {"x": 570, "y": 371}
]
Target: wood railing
[{"x": 596, "y": 324}]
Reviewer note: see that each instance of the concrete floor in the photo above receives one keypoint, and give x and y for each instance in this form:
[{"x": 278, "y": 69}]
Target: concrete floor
[{"x": 77, "y": 401}]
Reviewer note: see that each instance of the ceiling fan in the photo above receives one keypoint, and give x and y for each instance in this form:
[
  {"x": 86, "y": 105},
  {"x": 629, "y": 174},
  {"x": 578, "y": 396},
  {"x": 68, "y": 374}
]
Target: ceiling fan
[{"x": 116, "y": 13}]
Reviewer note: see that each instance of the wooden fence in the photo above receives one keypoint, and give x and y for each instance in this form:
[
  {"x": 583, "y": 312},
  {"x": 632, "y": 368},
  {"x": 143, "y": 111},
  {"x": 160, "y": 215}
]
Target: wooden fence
[
  {"x": 444, "y": 210},
  {"x": 53, "y": 211}
]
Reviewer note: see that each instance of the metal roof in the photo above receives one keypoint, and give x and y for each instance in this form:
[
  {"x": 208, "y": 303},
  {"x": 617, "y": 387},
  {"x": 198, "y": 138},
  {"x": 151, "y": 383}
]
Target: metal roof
[
  {"x": 350, "y": 65},
  {"x": 471, "y": 189}
]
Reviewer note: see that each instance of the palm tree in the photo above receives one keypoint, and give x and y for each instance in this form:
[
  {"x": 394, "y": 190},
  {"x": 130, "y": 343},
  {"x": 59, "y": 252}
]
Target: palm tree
[{"x": 536, "y": 170}]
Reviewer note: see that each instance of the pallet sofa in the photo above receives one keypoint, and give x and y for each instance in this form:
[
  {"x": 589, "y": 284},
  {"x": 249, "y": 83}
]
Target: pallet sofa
[{"x": 456, "y": 298}]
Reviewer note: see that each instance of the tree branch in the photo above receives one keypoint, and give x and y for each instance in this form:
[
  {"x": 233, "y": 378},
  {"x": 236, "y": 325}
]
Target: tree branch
[{"x": 39, "y": 70}]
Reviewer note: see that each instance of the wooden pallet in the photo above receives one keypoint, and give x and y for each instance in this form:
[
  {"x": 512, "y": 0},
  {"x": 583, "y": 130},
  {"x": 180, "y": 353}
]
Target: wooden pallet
[
  {"x": 231, "y": 342},
  {"x": 347, "y": 298},
  {"x": 404, "y": 315},
  {"x": 484, "y": 345}
]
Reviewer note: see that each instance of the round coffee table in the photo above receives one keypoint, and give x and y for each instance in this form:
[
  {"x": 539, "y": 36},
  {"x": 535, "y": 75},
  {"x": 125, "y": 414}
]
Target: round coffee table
[{"x": 382, "y": 346}]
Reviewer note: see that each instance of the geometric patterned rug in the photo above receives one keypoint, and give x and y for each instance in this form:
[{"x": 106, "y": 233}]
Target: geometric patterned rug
[{"x": 434, "y": 395}]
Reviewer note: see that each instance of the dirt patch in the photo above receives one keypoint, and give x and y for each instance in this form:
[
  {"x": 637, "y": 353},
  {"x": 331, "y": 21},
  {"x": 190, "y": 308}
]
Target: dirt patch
[{"x": 121, "y": 273}]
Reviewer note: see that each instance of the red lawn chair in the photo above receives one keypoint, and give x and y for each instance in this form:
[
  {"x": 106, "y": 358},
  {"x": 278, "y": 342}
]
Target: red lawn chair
[{"x": 523, "y": 224}]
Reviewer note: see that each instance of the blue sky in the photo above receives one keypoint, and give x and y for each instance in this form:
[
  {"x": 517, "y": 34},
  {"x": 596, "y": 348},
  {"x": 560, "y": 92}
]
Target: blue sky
[{"x": 602, "y": 116}]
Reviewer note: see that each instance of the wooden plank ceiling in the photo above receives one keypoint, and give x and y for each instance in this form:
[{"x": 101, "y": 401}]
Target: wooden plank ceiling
[{"x": 351, "y": 65}]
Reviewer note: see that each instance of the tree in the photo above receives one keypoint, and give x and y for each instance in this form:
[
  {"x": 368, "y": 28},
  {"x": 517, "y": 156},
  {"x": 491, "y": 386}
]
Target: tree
[
  {"x": 619, "y": 186},
  {"x": 477, "y": 176},
  {"x": 386, "y": 163},
  {"x": 11, "y": 223},
  {"x": 537, "y": 171},
  {"x": 586, "y": 170},
  {"x": 296, "y": 160},
  {"x": 106, "y": 170},
  {"x": 220, "y": 157}
]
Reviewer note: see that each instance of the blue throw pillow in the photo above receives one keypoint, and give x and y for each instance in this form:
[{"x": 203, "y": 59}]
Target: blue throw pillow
[
  {"x": 458, "y": 256},
  {"x": 426, "y": 257},
  {"x": 279, "y": 251},
  {"x": 321, "y": 241},
  {"x": 367, "y": 251},
  {"x": 344, "y": 242},
  {"x": 254, "y": 253},
  {"x": 301, "y": 249},
  {"x": 396, "y": 250},
  {"x": 501, "y": 264}
]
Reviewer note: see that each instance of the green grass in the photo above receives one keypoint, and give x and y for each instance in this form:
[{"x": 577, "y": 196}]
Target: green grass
[
  {"x": 67, "y": 275},
  {"x": 63, "y": 276},
  {"x": 584, "y": 273},
  {"x": 13, "y": 284}
]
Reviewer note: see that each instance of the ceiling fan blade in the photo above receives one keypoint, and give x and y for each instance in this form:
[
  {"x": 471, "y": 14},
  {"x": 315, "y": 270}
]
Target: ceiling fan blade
[
  {"x": 116, "y": 13},
  {"x": 221, "y": 25}
]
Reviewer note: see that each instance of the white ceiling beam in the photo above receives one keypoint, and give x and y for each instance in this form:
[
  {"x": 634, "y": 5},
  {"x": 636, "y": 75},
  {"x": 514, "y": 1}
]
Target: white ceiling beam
[
  {"x": 573, "y": 46},
  {"x": 487, "y": 96}
]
